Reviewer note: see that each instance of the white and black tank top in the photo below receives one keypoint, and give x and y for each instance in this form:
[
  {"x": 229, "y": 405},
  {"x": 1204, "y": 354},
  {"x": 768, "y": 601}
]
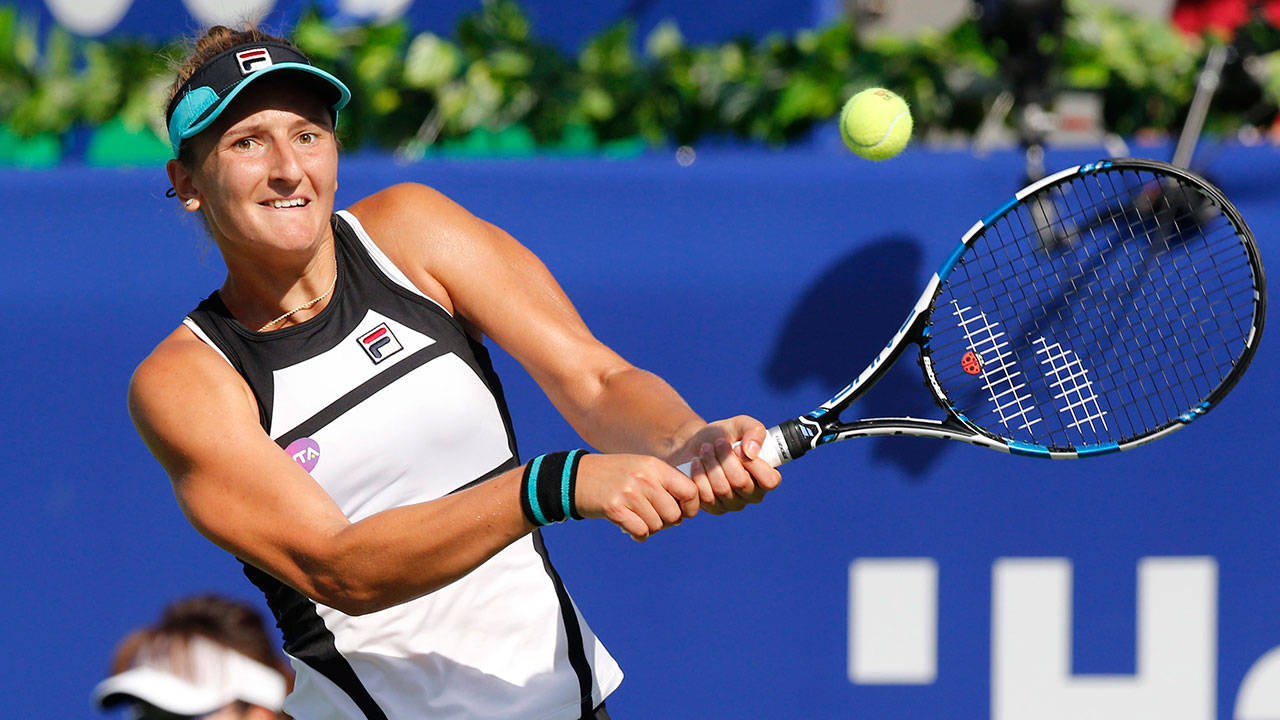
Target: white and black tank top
[{"x": 386, "y": 401}]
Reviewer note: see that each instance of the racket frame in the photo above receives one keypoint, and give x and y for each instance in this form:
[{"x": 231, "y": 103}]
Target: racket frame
[{"x": 792, "y": 438}]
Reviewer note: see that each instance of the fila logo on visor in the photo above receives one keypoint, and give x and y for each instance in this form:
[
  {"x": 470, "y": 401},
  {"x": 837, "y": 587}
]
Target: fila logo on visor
[
  {"x": 380, "y": 344},
  {"x": 254, "y": 59}
]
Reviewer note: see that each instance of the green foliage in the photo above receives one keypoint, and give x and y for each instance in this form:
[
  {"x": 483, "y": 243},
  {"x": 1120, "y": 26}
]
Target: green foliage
[
  {"x": 1145, "y": 68},
  {"x": 494, "y": 88}
]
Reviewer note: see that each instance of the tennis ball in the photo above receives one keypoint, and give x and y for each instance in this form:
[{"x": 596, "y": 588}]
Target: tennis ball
[{"x": 876, "y": 124}]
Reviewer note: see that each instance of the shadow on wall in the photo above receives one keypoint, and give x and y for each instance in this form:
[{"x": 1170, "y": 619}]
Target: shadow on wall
[{"x": 840, "y": 322}]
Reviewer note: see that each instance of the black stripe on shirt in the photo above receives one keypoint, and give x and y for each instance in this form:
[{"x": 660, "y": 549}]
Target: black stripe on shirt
[
  {"x": 362, "y": 392},
  {"x": 308, "y": 639},
  {"x": 572, "y": 631}
]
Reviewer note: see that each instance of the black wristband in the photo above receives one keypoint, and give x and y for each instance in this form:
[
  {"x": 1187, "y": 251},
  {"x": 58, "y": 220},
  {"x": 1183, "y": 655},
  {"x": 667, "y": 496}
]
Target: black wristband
[{"x": 547, "y": 487}]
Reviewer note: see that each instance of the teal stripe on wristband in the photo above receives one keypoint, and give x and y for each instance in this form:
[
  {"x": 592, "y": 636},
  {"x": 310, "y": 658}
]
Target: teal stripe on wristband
[
  {"x": 565, "y": 485},
  {"x": 532, "y": 492}
]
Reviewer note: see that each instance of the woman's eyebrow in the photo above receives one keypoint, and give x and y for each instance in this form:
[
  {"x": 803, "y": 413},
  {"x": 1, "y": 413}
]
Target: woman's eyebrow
[{"x": 257, "y": 126}]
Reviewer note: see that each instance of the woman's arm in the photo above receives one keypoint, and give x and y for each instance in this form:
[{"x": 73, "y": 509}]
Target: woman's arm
[
  {"x": 495, "y": 283},
  {"x": 243, "y": 492}
]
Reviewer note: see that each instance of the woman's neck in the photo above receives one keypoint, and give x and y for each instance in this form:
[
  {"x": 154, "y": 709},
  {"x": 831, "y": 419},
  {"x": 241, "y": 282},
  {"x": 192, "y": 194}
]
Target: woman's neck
[{"x": 265, "y": 295}]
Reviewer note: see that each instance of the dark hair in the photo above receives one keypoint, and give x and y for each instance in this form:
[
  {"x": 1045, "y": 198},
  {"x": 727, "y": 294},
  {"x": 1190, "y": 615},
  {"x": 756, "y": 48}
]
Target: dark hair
[
  {"x": 216, "y": 39},
  {"x": 228, "y": 622}
]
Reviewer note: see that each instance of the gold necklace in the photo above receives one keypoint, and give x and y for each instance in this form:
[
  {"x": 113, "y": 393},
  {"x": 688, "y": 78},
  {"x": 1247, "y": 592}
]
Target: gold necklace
[{"x": 308, "y": 304}]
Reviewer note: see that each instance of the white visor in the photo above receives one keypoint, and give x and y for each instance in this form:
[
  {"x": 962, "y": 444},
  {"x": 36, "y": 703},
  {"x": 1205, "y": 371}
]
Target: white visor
[{"x": 208, "y": 677}]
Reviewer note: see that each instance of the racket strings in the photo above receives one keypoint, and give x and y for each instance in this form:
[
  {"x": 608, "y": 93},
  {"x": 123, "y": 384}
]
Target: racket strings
[
  {"x": 1126, "y": 298},
  {"x": 1176, "y": 277},
  {"x": 1153, "y": 332},
  {"x": 1151, "y": 396}
]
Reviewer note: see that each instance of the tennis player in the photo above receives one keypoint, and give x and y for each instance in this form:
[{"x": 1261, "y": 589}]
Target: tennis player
[
  {"x": 330, "y": 416},
  {"x": 208, "y": 657}
]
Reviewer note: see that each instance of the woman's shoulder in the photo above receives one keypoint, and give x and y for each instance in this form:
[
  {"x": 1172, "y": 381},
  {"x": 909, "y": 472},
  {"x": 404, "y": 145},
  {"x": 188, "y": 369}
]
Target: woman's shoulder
[
  {"x": 404, "y": 202},
  {"x": 415, "y": 210},
  {"x": 421, "y": 231},
  {"x": 180, "y": 376},
  {"x": 181, "y": 358}
]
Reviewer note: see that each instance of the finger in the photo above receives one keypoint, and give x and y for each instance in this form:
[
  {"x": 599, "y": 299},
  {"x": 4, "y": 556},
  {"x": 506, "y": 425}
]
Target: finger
[
  {"x": 731, "y": 465},
  {"x": 689, "y": 493},
  {"x": 715, "y": 474},
  {"x": 689, "y": 508},
  {"x": 643, "y": 509},
  {"x": 666, "y": 506},
  {"x": 678, "y": 485},
  {"x": 714, "y": 508},
  {"x": 699, "y": 475},
  {"x": 631, "y": 523},
  {"x": 752, "y": 433},
  {"x": 766, "y": 476},
  {"x": 728, "y": 505}
]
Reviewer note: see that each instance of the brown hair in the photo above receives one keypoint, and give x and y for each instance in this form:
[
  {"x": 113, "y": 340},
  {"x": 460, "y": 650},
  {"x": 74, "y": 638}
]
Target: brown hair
[
  {"x": 216, "y": 39},
  {"x": 228, "y": 622}
]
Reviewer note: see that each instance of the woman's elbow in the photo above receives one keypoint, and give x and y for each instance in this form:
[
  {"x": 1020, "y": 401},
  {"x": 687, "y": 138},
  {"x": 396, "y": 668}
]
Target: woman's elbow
[
  {"x": 357, "y": 588},
  {"x": 334, "y": 581},
  {"x": 348, "y": 596}
]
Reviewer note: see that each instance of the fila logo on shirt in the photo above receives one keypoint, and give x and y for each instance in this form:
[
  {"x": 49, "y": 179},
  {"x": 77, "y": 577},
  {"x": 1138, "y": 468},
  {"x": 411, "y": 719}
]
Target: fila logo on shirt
[
  {"x": 380, "y": 344},
  {"x": 254, "y": 59}
]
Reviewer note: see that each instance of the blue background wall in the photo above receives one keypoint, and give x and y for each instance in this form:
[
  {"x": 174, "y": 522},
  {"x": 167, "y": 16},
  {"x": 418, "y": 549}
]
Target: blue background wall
[
  {"x": 566, "y": 24},
  {"x": 692, "y": 272}
]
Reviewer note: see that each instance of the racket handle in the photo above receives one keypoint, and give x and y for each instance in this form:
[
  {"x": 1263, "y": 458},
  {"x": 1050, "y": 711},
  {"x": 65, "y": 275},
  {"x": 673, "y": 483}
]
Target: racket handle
[{"x": 773, "y": 451}]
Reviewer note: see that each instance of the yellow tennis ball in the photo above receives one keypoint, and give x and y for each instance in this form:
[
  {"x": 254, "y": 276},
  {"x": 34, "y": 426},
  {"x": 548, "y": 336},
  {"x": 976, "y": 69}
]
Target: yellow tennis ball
[{"x": 876, "y": 124}]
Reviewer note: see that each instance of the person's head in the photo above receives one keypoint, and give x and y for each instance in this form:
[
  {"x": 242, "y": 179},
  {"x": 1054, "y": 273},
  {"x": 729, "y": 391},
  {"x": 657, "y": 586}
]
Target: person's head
[
  {"x": 208, "y": 657},
  {"x": 251, "y": 123}
]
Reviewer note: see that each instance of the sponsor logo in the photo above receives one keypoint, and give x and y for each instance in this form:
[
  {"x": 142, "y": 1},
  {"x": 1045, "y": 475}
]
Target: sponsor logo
[
  {"x": 380, "y": 343},
  {"x": 305, "y": 452},
  {"x": 895, "y": 621},
  {"x": 251, "y": 60}
]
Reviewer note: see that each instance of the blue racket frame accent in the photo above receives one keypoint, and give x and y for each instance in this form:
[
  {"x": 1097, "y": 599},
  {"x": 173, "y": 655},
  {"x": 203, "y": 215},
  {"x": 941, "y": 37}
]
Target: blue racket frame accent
[
  {"x": 1000, "y": 211},
  {"x": 1027, "y": 449},
  {"x": 951, "y": 261},
  {"x": 1195, "y": 412},
  {"x": 1092, "y": 450}
]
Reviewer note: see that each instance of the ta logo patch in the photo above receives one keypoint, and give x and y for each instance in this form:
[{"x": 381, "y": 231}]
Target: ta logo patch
[
  {"x": 254, "y": 59},
  {"x": 305, "y": 452},
  {"x": 380, "y": 344}
]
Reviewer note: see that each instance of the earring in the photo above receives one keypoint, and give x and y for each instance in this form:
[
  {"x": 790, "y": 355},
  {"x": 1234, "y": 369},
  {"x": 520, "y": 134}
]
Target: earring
[{"x": 191, "y": 203}]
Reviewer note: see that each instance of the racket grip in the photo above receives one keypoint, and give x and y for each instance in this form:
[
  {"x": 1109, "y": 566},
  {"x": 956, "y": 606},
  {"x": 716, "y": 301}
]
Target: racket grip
[{"x": 772, "y": 451}]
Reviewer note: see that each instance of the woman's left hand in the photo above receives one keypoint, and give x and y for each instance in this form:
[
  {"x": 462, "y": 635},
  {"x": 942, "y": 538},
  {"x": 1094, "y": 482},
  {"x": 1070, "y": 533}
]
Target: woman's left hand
[{"x": 729, "y": 478}]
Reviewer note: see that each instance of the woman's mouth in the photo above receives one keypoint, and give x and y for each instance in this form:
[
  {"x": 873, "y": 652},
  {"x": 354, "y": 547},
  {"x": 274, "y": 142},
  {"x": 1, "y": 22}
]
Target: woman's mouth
[{"x": 287, "y": 203}]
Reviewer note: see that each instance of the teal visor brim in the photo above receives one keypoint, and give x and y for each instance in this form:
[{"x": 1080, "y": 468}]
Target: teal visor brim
[{"x": 201, "y": 106}]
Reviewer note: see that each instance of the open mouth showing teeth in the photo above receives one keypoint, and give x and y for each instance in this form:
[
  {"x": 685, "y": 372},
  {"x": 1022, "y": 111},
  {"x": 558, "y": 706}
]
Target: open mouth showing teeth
[{"x": 295, "y": 202}]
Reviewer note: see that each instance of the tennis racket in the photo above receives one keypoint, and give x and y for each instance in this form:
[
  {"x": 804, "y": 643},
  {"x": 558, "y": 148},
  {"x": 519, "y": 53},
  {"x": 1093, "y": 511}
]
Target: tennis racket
[{"x": 1100, "y": 308}]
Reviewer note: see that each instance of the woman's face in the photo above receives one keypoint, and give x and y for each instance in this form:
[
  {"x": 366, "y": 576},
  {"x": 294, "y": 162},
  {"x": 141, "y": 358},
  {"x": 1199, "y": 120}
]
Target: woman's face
[{"x": 266, "y": 171}]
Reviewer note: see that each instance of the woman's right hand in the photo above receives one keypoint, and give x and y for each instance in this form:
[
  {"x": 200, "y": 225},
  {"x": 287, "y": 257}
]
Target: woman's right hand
[{"x": 639, "y": 493}]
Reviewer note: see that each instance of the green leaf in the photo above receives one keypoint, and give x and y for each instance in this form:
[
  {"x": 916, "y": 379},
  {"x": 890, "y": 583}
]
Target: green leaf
[
  {"x": 101, "y": 84},
  {"x": 664, "y": 41},
  {"x": 430, "y": 62},
  {"x": 315, "y": 38}
]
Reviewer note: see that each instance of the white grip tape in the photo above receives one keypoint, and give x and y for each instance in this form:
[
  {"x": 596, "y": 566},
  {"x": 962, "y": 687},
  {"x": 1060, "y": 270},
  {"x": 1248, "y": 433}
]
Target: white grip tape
[{"x": 772, "y": 451}]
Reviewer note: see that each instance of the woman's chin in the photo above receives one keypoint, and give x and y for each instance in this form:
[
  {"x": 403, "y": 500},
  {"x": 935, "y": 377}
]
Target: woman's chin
[{"x": 297, "y": 231}]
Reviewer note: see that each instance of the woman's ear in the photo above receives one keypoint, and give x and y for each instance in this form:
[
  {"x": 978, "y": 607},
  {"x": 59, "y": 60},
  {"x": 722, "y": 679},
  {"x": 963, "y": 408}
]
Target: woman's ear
[{"x": 183, "y": 184}]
